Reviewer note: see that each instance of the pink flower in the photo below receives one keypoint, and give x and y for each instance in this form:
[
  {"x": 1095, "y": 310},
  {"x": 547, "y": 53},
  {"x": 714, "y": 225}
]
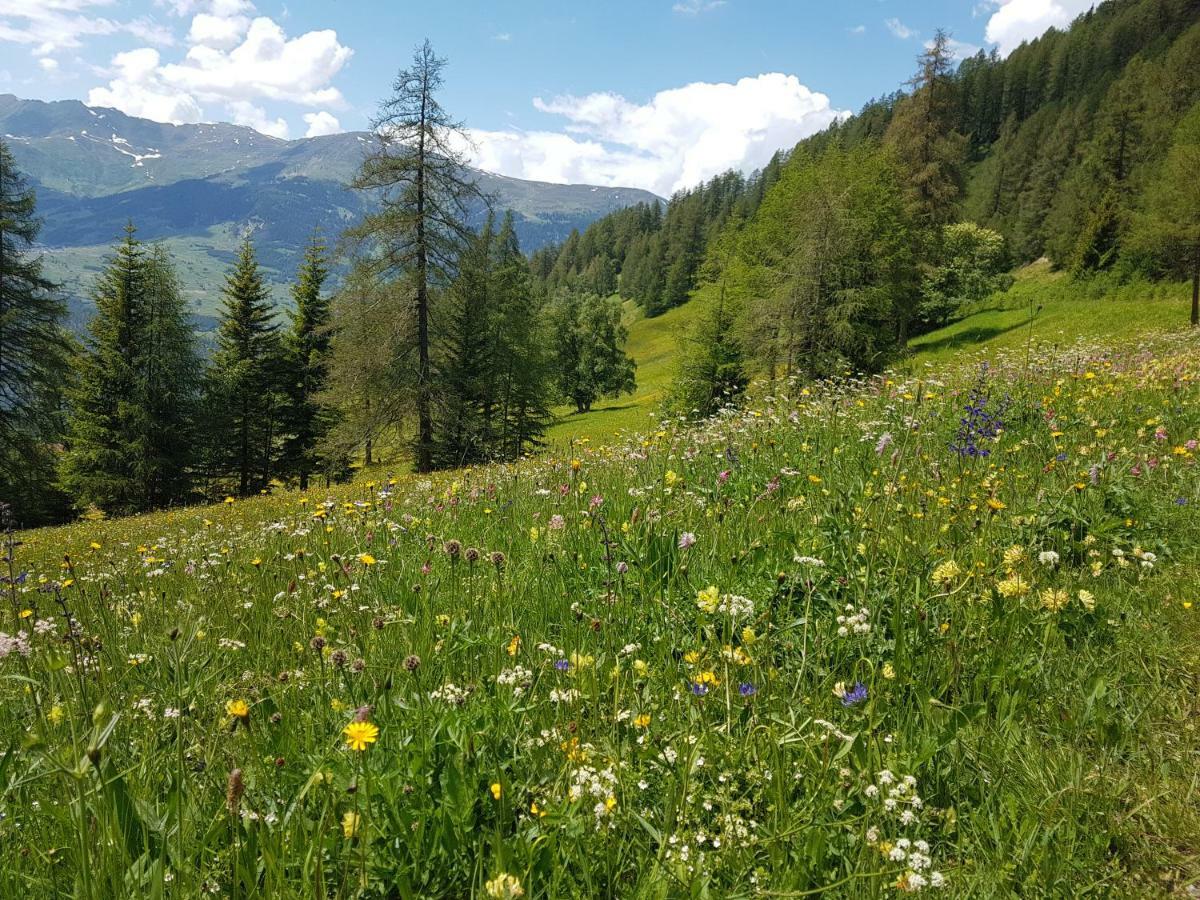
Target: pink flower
[{"x": 686, "y": 540}]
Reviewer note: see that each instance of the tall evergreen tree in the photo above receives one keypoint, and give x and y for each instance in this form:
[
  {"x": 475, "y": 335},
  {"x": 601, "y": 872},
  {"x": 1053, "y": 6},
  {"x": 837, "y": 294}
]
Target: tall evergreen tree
[
  {"x": 521, "y": 353},
  {"x": 420, "y": 229},
  {"x": 306, "y": 419},
  {"x": 99, "y": 467},
  {"x": 168, "y": 382},
  {"x": 34, "y": 353},
  {"x": 130, "y": 445},
  {"x": 243, "y": 385}
]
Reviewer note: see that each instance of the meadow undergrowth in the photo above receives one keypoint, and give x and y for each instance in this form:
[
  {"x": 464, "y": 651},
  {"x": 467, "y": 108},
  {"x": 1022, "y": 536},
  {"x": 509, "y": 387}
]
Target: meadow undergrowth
[{"x": 871, "y": 636}]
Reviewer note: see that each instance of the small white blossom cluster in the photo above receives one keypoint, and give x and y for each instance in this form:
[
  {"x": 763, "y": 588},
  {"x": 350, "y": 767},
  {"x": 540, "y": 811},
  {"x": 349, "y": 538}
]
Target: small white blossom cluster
[
  {"x": 564, "y": 695},
  {"x": 451, "y": 694},
  {"x": 14, "y": 644},
  {"x": 600, "y": 785},
  {"x": 518, "y": 678},
  {"x": 899, "y": 798},
  {"x": 854, "y": 620},
  {"x": 808, "y": 561},
  {"x": 735, "y": 606},
  {"x": 1048, "y": 558}
]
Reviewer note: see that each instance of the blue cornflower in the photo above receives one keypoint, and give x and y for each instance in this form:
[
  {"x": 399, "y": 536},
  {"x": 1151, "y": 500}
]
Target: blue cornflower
[
  {"x": 562, "y": 665},
  {"x": 699, "y": 689},
  {"x": 746, "y": 689},
  {"x": 1181, "y": 501},
  {"x": 855, "y": 695},
  {"x": 1062, "y": 457}
]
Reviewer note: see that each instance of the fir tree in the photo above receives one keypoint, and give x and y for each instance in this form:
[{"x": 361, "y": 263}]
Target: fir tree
[
  {"x": 130, "y": 445},
  {"x": 306, "y": 351},
  {"x": 34, "y": 352},
  {"x": 242, "y": 390},
  {"x": 168, "y": 382}
]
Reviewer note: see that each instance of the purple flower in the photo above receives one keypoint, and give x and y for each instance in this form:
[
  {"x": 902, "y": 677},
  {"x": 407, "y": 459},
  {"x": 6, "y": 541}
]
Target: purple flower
[
  {"x": 855, "y": 695},
  {"x": 699, "y": 689},
  {"x": 885, "y": 441},
  {"x": 686, "y": 540},
  {"x": 562, "y": 665},
  {"x": 746, "y": 689}
]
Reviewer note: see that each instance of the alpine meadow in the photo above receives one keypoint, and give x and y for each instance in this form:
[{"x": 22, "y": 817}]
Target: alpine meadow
[{"x": 709, "y": 493}]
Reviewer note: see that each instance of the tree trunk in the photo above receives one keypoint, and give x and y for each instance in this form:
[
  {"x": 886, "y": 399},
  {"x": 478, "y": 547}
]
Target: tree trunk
[
  {"x": 1196, "y": 291},
  {"x": 424, "y": 388}
]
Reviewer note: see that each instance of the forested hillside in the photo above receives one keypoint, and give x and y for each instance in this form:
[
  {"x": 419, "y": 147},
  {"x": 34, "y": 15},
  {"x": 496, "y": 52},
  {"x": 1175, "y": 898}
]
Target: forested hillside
[{"x": 1061, "y": 143}]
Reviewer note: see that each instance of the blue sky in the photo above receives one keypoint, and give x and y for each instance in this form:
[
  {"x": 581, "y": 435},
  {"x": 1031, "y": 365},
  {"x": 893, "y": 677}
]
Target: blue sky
[{"x": 650, "y": 93}]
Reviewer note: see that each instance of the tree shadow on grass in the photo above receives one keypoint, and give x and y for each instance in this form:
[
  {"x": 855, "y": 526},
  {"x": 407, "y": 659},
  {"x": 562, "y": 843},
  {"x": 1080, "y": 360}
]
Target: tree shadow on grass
[{"x": 967, "y": 337}]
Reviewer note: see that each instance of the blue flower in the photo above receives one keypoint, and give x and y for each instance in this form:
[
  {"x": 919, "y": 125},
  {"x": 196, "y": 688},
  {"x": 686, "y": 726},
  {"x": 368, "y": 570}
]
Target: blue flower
[
  {"x": 699, "y": 689},
  {"x": 746, "y": 689},
  {"x": 855, "y": 695},
  {"x": 562, "y": 665}
]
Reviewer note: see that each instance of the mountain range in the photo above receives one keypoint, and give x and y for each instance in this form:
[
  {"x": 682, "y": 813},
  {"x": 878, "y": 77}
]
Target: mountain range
[{"x": 200, "y": 188}]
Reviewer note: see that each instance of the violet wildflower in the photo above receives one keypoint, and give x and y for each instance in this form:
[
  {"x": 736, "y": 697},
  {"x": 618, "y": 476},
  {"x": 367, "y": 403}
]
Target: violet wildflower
[{"x": 855, "y": 695}]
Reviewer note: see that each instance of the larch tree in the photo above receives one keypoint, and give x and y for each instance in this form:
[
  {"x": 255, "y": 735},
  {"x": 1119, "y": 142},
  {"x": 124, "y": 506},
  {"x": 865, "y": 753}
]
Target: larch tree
[
  {"x": 1169, "y": 226},
  {"x": 419, "y": 176},
  {"x": 34, "y": 354}
]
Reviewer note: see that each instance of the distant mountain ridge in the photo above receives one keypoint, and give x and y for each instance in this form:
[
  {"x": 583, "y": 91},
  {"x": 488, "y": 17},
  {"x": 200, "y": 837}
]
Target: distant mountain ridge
[{"x": 200, "y": 187}]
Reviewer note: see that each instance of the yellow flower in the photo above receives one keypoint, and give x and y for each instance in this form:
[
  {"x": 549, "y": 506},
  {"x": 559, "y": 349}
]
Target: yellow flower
[
  {"x": 230, "y": 500},
  {"x": 239, "y": 709},
  {"x": 536, "y": 810},
  {"x": 642, "y": 721},
  {"x": 1088, "y": 600},
  {"x": 497, "y": 790},
  {"x": 1054, "y": 600},
  {"x": 55, "y": 715},
  {"x": 670, "y": 478},
  {"x": 708, "y": 599},
  {"x": 946, "y": 573},
  {"x": 350, "y": 824},
  {"x": 26, "y": 613},
  {"x": 1012, "y": 587},
  {"x": 504, "y": 887},
  {"x": 889, "y": 671},
  {"x": 366, "y": 559},
  {"x": 359, "y": 734},
  {"x": 996, "y": 505},
  {"x": 1013, "y": 557},
  {"x": 514, "y": 646}
]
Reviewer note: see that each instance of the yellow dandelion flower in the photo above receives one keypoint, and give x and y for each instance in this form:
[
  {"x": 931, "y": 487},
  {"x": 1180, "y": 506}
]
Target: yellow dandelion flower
[
  {"x": 359, "y": 734},
  {"x": 497, "y": 790},
  {"x": 238, "y": 709}
]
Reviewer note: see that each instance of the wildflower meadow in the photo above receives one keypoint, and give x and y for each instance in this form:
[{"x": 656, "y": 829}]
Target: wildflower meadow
[{"x": 927, "y": 632}]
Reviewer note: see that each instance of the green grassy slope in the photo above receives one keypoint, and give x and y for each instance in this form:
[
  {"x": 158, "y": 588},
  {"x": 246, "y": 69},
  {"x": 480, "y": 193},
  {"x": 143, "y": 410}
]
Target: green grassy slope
[
  {"x": 1047, "y": 306},
  {"x": 653, "y": 344},
  {"x": 1062, "y": 311}
]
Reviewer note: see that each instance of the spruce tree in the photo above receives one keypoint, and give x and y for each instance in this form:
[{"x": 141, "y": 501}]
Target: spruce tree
[
  {"x": 131, "y": 440},
  {"x": 523, "y": 376},
  {"x": 306, "y": 420},
  {"x": 34, "y": 353},
  {"x": 243, "y": 387},
  {"x": 100, "y": 468},
  {"x": 168, "y": 382},
  {"x": 418, "y": 176},
  {"x": 466, "y": 359}
]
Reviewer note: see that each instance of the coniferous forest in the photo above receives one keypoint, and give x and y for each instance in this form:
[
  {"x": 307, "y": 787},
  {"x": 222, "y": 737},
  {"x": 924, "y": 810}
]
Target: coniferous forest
[
  {"x": 825, "y": 530},
  {"x": 415, "y": 330}
]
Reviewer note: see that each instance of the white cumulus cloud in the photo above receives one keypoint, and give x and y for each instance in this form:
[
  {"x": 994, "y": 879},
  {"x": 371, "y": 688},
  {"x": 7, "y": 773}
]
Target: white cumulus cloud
[
  {"x": 899, "y": 29},
  {"x": 1014, "y": 21},
  {"x": 51, "y": 25},
  {"x": 234, "y": 63},
  {"x": 678, "y": 139},
  {"x": 243, "y": 112},
  {"x": 136, "y": 89},
  {"x": 321, "y": 123},
  {"x": 695, "y": 7}
]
